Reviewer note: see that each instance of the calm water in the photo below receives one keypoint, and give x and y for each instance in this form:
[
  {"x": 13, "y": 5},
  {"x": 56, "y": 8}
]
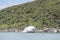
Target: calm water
[{"x": 29, "y": 36}]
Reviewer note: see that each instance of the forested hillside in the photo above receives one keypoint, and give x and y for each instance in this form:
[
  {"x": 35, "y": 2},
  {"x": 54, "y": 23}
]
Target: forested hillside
[{"x": 39, "y": 13}]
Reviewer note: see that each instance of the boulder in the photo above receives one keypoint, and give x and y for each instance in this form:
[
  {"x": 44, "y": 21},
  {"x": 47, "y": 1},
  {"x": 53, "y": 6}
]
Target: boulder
[{"x": 30, "y": 29}]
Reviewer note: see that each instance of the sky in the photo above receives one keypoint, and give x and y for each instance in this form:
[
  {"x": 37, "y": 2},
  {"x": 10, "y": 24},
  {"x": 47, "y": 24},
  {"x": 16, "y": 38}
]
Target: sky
[{"x": 8, "y": 3}]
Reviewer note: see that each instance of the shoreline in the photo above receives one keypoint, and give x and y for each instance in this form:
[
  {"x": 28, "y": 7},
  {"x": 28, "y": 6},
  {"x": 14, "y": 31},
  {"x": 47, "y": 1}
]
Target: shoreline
[{"x": 47, "y": 30}]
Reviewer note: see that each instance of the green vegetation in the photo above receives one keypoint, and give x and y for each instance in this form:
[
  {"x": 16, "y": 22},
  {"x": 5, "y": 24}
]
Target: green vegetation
[{"x": 39, "y": 13}]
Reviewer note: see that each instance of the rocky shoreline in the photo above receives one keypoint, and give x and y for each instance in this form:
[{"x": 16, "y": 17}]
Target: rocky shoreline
[
  {"x": 49, "y": 30},
  {"x": 46, "y": 30}
]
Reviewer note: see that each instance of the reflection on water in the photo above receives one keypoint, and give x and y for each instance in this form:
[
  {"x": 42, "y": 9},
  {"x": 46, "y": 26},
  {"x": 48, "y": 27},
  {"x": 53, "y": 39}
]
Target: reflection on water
[{"x": 29, "y": 36}]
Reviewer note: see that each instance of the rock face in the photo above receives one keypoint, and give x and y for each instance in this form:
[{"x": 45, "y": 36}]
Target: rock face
[{"x": 30, "y": 29}]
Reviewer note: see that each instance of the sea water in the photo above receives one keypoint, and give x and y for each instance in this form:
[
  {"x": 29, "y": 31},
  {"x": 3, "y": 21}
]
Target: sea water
[{"x": 29, "y": 36}]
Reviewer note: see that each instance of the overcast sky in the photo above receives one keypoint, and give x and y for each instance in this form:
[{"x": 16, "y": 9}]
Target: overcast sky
[{"x": 7, "y": 3}]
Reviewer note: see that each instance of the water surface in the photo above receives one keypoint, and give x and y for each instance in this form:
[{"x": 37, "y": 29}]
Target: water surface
[{"x": 29, "y": 36}]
